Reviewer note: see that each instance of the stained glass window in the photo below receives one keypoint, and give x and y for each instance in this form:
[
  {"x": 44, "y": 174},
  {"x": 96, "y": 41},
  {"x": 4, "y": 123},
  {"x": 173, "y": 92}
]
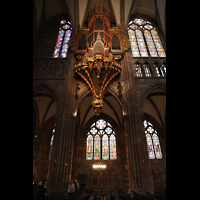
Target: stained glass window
[
  {"x": 153, "y": 144},
  {"x": 157, "y": 146},
  {"x": 158, "y": 44},
  {"x": 113, "y": 154},
  {"x": 51, "y": 143},
  {"x": 105, "y": 151},
  {"x": 89, "y": 148},
  {"x": 138, "y": 30},
  {"x": 150, "y": 44},
  {"x": 64, "y": 35},
  {"x": 101, "y": 141},
  {"x": 138, "y": 71},
  {"x": 142, "y": 46},
  {"x": 134, "y": 46},
  {"x": 150, "y": 146},
  {"x": 108, "y": 130},
  {"x": 93, "y": 130},
  {"x": 147, "y": 71},
  {"x": 157, "y": 71},
  {"x": 97, "y": 146},
  {"x": 101, "y": 124}
]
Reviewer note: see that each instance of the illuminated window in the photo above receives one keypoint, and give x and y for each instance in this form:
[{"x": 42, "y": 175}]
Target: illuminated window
[
  {"x": 138, "y": 71},
  {"x": 105, "y": 150},
  {"x": 51, "y": 142},
  {"x": 147, "y": 70},
  {"x": 153, "y": 144},
  {"x": 113, "y": 154},
  {"x": 89, "y": 150},
  {"x": 138, "y": 30},
  {"x": 160, "y": 71},
  {"x": 101, "y": 142},
  {"x": 62, "y": 43}
]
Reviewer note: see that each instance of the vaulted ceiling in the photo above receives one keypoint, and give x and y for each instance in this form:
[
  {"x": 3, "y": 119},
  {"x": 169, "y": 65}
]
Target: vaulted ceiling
[
  {"x": 155, "y": 106},
  {"x": 44, "y": 106},
  {"x": 46, "y": 9}
]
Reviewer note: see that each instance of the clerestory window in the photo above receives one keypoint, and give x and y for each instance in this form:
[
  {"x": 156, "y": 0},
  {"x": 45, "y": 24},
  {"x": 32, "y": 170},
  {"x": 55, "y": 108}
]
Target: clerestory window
[
  {"x": 63, "y": 39},
  {"x": 140, "y": 33}
]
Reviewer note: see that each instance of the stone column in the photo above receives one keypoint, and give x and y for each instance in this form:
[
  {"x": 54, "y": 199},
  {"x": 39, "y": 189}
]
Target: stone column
[
  {"x": 140, "y": 178},
  {"x": 62, "y": 153}
]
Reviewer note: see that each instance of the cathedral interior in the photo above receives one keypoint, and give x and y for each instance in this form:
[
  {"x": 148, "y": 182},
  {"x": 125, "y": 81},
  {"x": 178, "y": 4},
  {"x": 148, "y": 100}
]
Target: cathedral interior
[{"x": 99, "y": 94}]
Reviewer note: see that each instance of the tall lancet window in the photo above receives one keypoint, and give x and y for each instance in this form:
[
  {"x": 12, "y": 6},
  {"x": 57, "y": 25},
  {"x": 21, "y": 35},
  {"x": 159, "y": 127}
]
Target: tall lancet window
[
  {"x": 63, "y": 39},
  {"x": 140, "y": 33},
  {"x": 153, "y": 144},
  {"x": 101, "y": 142},
  {"x": 51, "y": 143}
]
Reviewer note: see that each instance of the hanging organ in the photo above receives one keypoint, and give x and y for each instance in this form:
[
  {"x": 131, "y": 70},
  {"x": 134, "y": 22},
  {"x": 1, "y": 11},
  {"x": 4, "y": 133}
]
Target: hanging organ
[{"x": 98, "y": 47}]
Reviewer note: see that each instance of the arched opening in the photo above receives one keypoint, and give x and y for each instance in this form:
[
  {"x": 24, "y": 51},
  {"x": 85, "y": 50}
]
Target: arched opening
[
  {"x": 44, "y": 111},
  {"x": 106, "y": 134},
  {"x": 154, "y": 109}
]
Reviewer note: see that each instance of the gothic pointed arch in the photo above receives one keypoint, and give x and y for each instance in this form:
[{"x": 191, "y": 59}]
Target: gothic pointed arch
[
  {"x": 48, "y": 89},
  {"x": 149, "y": 89}
]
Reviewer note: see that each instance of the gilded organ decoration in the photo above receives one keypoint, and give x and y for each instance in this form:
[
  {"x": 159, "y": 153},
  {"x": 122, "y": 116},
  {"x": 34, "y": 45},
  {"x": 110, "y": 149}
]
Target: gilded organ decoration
[{"x": 98, "y": 48}]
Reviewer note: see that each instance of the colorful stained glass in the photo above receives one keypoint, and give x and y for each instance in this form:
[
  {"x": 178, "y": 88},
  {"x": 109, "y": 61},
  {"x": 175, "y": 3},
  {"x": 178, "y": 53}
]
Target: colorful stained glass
[
  {"x": 101, "y": 142},
  {"x": 63, "y": 21},
  {"x": 58, "y": 44},
  {"x": 149, "y": 27},
  {"x": 164, "y": 69},
  {"x": 65, "y": 26},
  {"x": 97, "y": 146},
  {"x": 133, "y": 26},
  {"x": 147, "y": 71},
  {"x": 108, "y": 130},
  {"x": 138, "y": 46},
  {"x": 93, "y": 130},
  {"x": 141, "y": 44},
  {"x": 139, "y": 21},
  {"x": 150, "y": 44},
  {"x": 65, "y": 44},
  {"x": 101, "y": 124},
  {"x": 158, "y": 44},
  {"x": 157, "y": 71},
  {"x": 150, "y": 146},
  {"x": 89, "y": 148},
  {"x": 113, "y": 153},
  {"x": 157, "y": 146},
  {"x": 134, "y": 46},
  {"x": 63, "y": 41},
  {"x": 105, "y": 151},
  {"x": 138, "y": 71},
  {"x": 154, "y": 148},
  {"x": 150, "y": 129}
]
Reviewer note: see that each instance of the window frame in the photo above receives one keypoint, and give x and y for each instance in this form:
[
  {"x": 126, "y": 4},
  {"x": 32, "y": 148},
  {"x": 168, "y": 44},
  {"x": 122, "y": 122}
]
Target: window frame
[
  {"x": 142, "y": 25},
  {"x": 147, "y": 126},
  {"x": 101, "y": 130},
  {"x": 65, "y": 27}
]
